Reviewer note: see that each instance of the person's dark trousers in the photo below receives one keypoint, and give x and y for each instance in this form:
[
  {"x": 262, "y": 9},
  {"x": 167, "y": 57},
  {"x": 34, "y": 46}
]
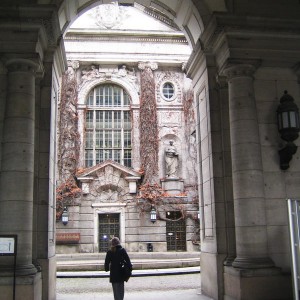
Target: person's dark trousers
[{"x": 118, "y": 289}]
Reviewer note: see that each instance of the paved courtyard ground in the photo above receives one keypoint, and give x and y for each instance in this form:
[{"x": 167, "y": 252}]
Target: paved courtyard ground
[{"x": 179, "y": 287}]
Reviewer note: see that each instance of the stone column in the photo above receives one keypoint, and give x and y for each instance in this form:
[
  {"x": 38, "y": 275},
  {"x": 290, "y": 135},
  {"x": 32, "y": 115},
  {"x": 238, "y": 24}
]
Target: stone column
[
  {"x": 16, "y": 183},
  {"x": 247, "y": 171}
]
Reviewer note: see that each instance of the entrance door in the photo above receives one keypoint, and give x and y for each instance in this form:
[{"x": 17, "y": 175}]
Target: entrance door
[
  {"x": 109, "y": 227},
  {"x": 176, "y": 235}
]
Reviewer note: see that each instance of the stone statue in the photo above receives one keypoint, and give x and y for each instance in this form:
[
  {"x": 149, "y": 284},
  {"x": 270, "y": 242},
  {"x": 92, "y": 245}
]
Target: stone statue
[{"x": 171, "y": 158}]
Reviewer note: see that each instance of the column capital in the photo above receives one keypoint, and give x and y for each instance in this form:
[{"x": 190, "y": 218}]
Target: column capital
[
  {"x": 144, "y": 65},
  {"x": 241, "y": 68},
  {"x": 222, "y": 81},
  {"x": 23, "y": 65}
]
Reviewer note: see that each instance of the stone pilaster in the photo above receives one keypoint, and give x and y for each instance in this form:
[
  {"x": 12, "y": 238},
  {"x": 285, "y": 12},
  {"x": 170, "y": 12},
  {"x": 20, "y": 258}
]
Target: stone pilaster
[
  {"x": 16, "y": 183},
  {"x": 227, "y": 166},
  {"x": 247, "y": 172},
  {"x": 3, "y": 72}
]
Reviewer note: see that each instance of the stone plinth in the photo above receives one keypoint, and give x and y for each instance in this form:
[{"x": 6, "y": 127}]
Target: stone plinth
[
  {"x": 27, "y": 288},
  {"x": 173, "y": 186},
  {"x": 251, "y": 284}
]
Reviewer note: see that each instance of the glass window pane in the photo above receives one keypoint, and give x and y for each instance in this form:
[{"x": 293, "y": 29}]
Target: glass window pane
[
  {"x": 89, "y": 119},
  {"x": 99, "y": 156},
  {"x": 108, "y": 119},
  {"x": 127, "y": 158},
  {"x": 126, "y": 99},
  {"x": 97, "y": 94},
  {"x": 101, "y": 95},
  {"x": 117, "y": 96},
  {"x": 293, "y": 119},
  {"x": 168, "y": 90},
  {"x": 117, "y": 139},
  {"x": 117, "y": 119},
  {"x": 127, "y": 139},
  {"x": 89, "y": 139},
  {"x": 107, "y": 154},
  {"x": 285, "y": 119},
  {"x": 117, "y": 156},
  {"x": 108, "y": 139},
  {"x": 88, "y": 158},
  {"x": 127, "y": 121},
  {"x": 90, "y": 98},
  {"x": 99, "y": 119},
  {"x": 98, "y": 139}
]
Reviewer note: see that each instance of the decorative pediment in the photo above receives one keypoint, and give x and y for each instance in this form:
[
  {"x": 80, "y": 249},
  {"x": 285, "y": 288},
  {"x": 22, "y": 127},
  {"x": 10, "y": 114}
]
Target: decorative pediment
[{"x": 108, "y": 178}]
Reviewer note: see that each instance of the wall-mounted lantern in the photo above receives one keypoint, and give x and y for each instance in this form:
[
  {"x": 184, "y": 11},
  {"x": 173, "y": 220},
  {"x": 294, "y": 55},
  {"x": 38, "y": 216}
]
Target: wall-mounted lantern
[
  {"x": 65, "y": 216},
  {"x": 288, "y": 127},
  {"x": 153, "y": 215}
]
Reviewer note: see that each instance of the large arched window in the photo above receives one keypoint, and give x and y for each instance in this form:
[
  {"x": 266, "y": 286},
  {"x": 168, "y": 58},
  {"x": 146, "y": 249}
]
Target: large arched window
[{"x": 108, "y": 126}]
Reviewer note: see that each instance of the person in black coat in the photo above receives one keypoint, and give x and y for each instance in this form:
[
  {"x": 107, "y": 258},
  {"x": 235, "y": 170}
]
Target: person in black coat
[{"x": 113, "y": 258}]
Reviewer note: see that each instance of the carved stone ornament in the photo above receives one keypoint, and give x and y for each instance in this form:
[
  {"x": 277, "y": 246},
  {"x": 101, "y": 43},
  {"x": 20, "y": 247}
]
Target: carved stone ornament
[
  {"x": 74, "y": 64},
  {"x": 170, "y": 118},
  {"x": 109, "y": 16},
  {"x": 143, "y": 65},
  {"x": 173, "y": 78}
]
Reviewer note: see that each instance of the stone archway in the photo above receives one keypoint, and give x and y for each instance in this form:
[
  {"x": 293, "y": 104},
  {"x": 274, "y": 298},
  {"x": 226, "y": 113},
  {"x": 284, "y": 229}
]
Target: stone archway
[
  {"x": 253, "y": 48},
  {"x": 38, "y": 43},
  {"x": 191, "y": 17}
]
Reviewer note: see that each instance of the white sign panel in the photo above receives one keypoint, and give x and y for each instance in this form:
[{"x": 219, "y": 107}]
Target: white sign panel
[{"x": 7, "y": 245}]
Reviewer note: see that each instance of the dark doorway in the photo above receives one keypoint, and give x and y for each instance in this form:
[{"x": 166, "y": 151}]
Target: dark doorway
[
  {"x": 109, "y": 226},
  {"x": 176, "y": 233}
]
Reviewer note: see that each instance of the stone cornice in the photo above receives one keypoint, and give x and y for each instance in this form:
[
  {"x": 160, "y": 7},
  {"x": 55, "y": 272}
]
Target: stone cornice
[
  {"x": 275, "y": 42},
  {"x": 134, "y": 37}
]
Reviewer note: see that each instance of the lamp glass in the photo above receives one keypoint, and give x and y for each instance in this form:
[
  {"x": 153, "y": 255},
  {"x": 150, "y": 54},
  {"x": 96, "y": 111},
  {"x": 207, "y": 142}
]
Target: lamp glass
[
  {"x": 285, "y": 119},
  {"x": 293, "y": 119},
  {"x": 65, "y": 216},
  {"x": 153, "y": 215}
]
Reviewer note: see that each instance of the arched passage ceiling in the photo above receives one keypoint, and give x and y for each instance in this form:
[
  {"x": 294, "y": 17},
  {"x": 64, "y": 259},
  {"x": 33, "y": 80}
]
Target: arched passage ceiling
[{"x": 190, "y": 16}]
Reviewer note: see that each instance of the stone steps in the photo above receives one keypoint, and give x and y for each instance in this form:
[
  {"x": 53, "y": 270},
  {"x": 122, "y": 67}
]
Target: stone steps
[{"x": 140, "y": 261}]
